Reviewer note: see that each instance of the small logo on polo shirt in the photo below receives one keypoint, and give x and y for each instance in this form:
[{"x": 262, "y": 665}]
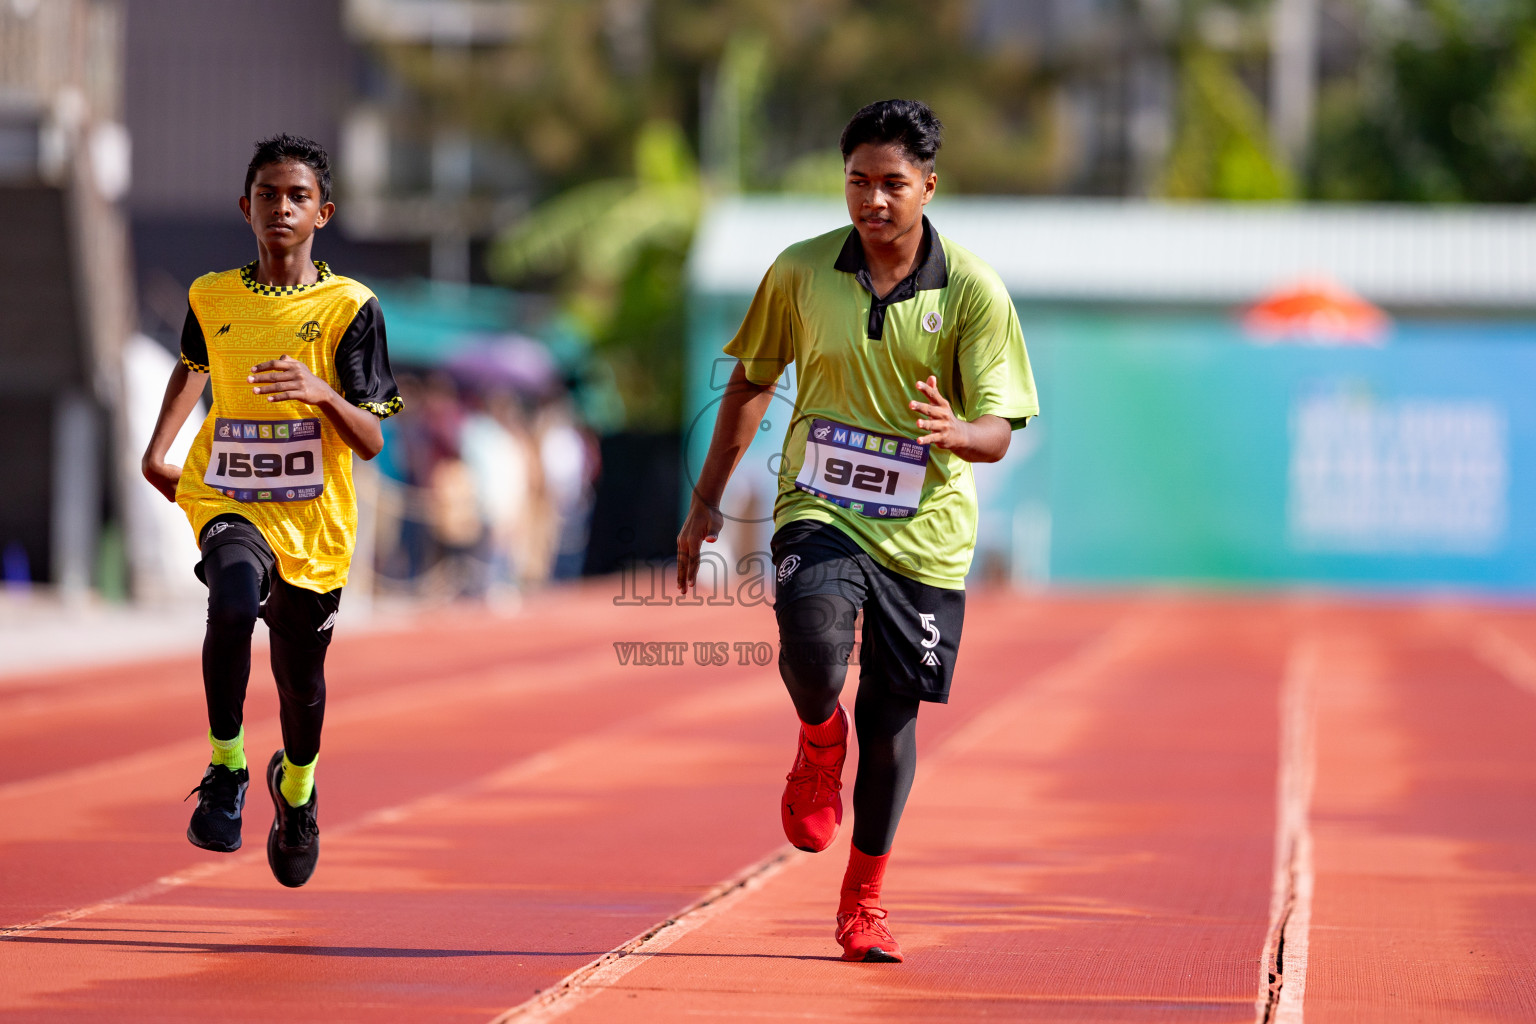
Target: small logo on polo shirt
[
  {"x": 309, "y": 332},
  {"x": 222, "y": 331},
  {"x": 932, "y": 322}
]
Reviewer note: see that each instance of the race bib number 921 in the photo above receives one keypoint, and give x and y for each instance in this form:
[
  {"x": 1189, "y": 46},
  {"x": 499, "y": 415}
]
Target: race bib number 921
[
  {"x": 875, "y": 475},
  {"x": 266, "y": 460}
]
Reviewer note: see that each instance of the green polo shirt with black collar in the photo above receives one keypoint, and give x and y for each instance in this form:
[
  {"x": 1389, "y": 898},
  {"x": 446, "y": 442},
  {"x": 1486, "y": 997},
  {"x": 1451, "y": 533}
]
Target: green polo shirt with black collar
[{"x": 860, "y": 357}]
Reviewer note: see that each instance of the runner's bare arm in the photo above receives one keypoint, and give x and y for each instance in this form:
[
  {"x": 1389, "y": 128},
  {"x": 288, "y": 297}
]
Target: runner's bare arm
[
  {"x": 181, "y": 394},
  {"x": 741, "y": 410},
  {"x": 984, "y": 439},
  {"x": 285, "y": 379}
]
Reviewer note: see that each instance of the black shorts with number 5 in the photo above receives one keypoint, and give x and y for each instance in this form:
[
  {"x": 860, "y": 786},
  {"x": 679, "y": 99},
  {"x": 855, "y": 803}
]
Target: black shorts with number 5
[{"x": 911, "y": 630}]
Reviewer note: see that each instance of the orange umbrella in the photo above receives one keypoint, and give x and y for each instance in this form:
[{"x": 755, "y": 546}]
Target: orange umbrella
[{"x": 1316, "y": 313}]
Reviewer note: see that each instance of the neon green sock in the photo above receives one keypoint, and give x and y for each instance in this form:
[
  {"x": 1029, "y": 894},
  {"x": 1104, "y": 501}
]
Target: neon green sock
[
  {"x": 229, "y": 753},
  {"x": 298, "y": 781}
]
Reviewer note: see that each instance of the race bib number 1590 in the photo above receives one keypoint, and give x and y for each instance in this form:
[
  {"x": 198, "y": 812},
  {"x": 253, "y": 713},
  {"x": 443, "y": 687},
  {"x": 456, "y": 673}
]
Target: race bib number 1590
[
  {"x": 266, "y": 460},
  {"x": 875, "y": 475}
]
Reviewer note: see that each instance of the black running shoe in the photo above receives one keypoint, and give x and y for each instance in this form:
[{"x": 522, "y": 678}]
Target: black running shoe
[
  {"x": 293, "y": 845},
  {"x": 216, "y": 819}
]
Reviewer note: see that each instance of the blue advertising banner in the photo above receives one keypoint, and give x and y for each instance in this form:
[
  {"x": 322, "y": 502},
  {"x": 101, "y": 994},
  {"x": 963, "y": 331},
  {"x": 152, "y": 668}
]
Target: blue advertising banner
[{"x": 1177, "y": 448}]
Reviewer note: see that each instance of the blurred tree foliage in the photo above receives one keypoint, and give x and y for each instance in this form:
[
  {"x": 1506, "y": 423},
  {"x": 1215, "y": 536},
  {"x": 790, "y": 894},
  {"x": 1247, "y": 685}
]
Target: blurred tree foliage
[
  {"x": 1222, "y": 149},
  {"x": 574, "y": 91},
  {"x": 616, "y": 249},
  {"x": 608, "y": 100},
  {"x": 1221, "y": 146},
  {"x": 632, "y": 112},
  {"x": 1442, "y": 108}
]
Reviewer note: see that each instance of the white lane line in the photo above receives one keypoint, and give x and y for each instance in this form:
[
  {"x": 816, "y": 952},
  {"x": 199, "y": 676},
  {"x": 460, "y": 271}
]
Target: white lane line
[
  {"x": 1506, "y": 656},
  {"x": 163, "y": 884},
  {"x": 528, "y": 767},
  {"x": 1131, "y": 636},
  {"x": 1126, "y": 638},
  {"x": 601, "y": 974},
  {"x": 1283, "y": 973},
  {"x": 431, "y": 694},
  {"x": 576, "y": 750}
]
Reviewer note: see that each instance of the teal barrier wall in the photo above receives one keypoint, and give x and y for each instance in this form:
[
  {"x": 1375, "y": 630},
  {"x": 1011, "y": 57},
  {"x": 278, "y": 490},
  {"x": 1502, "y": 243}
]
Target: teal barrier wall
[
  {"x": 1177, "y": 449},
  {"x": 1171, "y": 448}
]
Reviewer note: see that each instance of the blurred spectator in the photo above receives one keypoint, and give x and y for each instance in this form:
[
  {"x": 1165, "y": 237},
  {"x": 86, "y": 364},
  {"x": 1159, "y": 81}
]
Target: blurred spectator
[
  {"x": 568, "y": 454},
  {"x": 495, "y": 451},
  {"x": 415, "y": 447},
  {"x": 488, "y": 486}
]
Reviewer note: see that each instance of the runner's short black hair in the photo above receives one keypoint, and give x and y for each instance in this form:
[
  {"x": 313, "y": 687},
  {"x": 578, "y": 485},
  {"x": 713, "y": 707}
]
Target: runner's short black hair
[
  {"x": 292, "y": 147},
  {"x": 910, "y": 124}
]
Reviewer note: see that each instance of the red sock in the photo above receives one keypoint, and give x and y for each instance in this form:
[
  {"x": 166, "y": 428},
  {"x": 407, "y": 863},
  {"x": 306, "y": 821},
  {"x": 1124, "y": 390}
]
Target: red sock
[
  {"x": 829, "y": 733},
  {"x": 861, "y": 882}
]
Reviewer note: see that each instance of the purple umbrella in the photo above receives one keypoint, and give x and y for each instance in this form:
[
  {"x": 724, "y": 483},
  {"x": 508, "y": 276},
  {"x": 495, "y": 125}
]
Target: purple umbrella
[{"x": 504, "y": 362}]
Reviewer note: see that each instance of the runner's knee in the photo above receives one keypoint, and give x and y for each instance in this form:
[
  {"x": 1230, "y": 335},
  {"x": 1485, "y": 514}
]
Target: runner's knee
[
  {"x": 299, "y": 670},
  {"x": 234, "y": 589},
  {"x": 815, "y": 641}
]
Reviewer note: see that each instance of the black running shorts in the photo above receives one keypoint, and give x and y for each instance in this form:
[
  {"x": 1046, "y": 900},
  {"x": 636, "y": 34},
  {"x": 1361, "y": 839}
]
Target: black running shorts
[
  {"x": 302, "y": 616},
  {"x": 911, "y": 630}
]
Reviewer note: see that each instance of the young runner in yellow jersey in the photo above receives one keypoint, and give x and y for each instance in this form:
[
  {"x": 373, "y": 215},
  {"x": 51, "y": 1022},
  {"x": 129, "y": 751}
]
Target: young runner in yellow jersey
[
  {"x": 912, "y": 367},
  {"x": 301, "y": 379}
]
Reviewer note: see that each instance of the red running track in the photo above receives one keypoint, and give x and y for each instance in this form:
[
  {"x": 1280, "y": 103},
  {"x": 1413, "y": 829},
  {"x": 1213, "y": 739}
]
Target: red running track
[{"x": 1130, "y": 801}]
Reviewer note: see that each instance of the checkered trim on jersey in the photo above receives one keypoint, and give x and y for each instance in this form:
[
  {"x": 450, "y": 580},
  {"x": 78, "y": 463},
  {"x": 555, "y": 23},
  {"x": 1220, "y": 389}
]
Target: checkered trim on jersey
[
  {"x": 194, "y": 367},
  {"x": 248, "y": 278},
  {"x": 383, "y": 410}
]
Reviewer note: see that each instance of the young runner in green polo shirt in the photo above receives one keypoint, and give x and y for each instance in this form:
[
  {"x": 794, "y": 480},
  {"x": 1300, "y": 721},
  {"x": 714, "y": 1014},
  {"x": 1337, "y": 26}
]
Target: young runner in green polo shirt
[{"x": 912, "y": 366}]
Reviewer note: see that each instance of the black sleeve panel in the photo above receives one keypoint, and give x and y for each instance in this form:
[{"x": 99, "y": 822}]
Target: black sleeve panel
[
  {"x": 194, "y": 347},
  {"x": 362, "y": 364}
]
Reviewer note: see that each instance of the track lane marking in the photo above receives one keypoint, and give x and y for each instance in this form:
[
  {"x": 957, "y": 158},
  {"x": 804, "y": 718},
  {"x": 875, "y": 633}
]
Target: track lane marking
[
  {"x": 1128, "y": 636},
  {"x": 1283, "y": 971},
  {"x": 428, "y": 694},
  {"x": 576, "y": 662},
  {"x": 82, "y": 694},
  {"x": 742, "y": 697},
  {"x": 1506, "y": 656},
  {"x": 528, "y": 767},
  {"x": 586, "y": 982}
]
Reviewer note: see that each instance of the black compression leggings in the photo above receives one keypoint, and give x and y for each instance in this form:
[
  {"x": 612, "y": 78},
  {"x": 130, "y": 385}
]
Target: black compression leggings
[
  {"x": 815, "y": 640},
  {"x": 233, "y": 574}
]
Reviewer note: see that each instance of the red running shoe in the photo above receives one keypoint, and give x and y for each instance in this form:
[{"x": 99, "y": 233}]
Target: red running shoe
[
  {"x": 865, "y": 938},
  {"x": 812, "y": 807}
]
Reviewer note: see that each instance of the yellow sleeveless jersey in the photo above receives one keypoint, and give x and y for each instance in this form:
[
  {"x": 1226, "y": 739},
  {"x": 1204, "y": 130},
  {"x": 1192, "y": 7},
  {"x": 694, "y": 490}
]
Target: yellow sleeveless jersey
[{"x": 280, "y": 464}]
